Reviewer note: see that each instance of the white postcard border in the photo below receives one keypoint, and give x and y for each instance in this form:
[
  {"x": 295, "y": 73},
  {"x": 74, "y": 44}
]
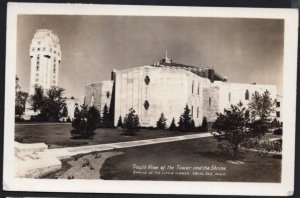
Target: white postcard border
[{"x": 155, "y": 187}]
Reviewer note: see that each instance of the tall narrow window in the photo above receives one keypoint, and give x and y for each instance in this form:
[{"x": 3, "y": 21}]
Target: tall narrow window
[
  {"x": 192, "y": 111},
  {"x": 193, "y": 87},
  {"x": 247, "y": 95},
  {"x": 54, "y": 65},
  {"x": 229, "y": 97},
  {"x": 198, "y": 91},
  {"x": 209, "y": 101},
  {"x": 197, "y": 112},
  {"x": 38, "y": 63}
]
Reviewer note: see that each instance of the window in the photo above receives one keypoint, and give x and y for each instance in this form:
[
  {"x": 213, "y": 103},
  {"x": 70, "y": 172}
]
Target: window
[
  {"x": 107, "y": 94},
  {"x": 209, "y": 101},
  {"x": 37, "y": 74},
  {"x": 146, "y": 104},
  {"x": 36, "y": 80},
  {"x": 197, "y": 112},
  {"x": 50, "y": 49},
  {"x": 44, "y": 49},
  {"x": 38, "y": 63},
  {"x": 147, "y": 80},
  {"x": 247, "y": 95},
  {"x": 39, "y": 42},
  {"x": 229, "y": 97},
  {"x": 192, "y": 111},
  {"x": 198, "y": 91},
  {"x": 39, "y": 49},
  {"x": 277, "y": 104},
  {"x": 193, "y": 87},
  {"x": 53, "y": 81},
  {"x": 33, "y": 49},
  {"x": 54, "y": 65},
  {"x": 278, "y": 114}
]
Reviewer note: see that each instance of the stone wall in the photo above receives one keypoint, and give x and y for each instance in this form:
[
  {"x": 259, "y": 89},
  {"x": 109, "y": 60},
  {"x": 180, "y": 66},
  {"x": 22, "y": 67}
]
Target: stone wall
[
  {"x": 99, "y": 94},
  {"x": 151, "y": 91}
]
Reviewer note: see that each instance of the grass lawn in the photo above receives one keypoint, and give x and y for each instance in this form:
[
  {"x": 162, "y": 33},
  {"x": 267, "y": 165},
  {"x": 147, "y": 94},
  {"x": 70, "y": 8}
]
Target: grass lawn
[
  {"x": 191, "y": 153},
  {"x": 58, "y": 135}
]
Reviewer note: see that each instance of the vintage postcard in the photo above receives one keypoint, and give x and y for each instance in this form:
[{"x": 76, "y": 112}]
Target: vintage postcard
[{"x": 150, "y": 99}]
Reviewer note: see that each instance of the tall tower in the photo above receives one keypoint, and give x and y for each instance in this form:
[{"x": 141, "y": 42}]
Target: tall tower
[{"x": 45, "y": 57}]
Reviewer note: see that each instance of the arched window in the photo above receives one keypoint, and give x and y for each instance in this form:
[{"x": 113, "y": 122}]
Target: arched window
[
  {"x": 209, "y": 101},
  {"x": 147, "y": 80},
  {"x": 229, "y": 97},
  {"x": 247, "y": 95},
  {"x": 107, "y": 94}
]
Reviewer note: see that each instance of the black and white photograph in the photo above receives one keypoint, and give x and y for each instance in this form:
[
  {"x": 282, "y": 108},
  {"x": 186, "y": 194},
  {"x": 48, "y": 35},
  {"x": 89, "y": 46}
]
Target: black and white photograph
[{"x": 150, "y": 96}]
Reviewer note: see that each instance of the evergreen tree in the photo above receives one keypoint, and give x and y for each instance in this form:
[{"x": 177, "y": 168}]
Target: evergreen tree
[
  {"x": 120, "y": 124},
  {"x": 76, "y": 111},
  {"x": 185, "y": 120},
  {"x": 85, "y": 122},
  {"x": 192, "y": 124},
  {"x": 172, "y": 125},
  {"x": 161, "y": 123},
  {"x": 231, "y": 129},
  {"x": 261, "y": 107},
  {"x": 131, "y": 123},
  {"x": 65, "y": 111},
  {"x": 105, "y": 117},
  {"x": 204, "y": 122}
]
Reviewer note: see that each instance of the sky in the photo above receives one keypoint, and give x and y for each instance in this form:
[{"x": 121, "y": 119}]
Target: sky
[{"x": 243, "y": 50}]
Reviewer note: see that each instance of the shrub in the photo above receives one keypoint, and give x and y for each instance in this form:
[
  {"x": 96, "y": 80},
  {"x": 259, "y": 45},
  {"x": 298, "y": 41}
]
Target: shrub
[
  {"x": 161, "y": 123},
  {"x": 131, "y": 123}
]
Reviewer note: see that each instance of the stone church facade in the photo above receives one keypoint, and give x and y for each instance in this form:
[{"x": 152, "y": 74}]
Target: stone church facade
[{"x": 167, "y": 87}]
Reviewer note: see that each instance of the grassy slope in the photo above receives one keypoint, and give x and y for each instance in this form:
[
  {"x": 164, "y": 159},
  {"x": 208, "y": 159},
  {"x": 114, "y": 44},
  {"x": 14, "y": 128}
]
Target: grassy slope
[
  {"x": 58, "y": 135},
  {"x": 196, "y": 152}
]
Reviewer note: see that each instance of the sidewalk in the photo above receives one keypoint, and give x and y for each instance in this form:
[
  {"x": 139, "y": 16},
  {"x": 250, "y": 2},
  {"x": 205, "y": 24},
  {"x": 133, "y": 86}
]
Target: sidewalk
[{"x": 62, "y": 153}]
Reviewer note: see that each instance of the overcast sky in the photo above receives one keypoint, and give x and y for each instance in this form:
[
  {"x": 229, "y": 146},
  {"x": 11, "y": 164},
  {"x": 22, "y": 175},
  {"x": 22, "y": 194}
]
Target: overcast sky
[{"x": 244, "y": 50}]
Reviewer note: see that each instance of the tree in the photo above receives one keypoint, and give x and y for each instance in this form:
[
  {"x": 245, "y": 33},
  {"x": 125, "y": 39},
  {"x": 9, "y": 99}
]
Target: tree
[
  {"x": 131, "y": 123},
  {"x": 105, "y": 117},
  {"x": 37, "y": 99},
  {"x": 161, "y": 123},
  {"x": 120, "y": 124},
  {"x": 185, "y": 121},
  {"x": 65, "y": 111},
  {"x": 20, "y": 100},
  {"x": 49, "y": 105},
  {"x": 54, "y": 103},
  {"x": 232, "y": 129},
  {"x": 172, "y": 126},
  {"x": 261, "y": 107},
  {"x": 204, "y": 123},
  {"x": 85, "y": 122},
  {"x": 76, "y": 111}
]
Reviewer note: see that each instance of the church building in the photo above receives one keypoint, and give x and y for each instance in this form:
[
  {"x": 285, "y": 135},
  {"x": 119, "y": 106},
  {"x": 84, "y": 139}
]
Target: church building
[{"x": 167, "y": 87}]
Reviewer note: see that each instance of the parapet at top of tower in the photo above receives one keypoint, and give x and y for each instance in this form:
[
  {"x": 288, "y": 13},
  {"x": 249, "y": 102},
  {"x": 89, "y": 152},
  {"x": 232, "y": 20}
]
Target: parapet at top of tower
[{"x": 42, "y": 33}]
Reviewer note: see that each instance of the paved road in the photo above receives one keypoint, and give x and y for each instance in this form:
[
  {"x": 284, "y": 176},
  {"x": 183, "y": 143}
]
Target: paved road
[{"x": 71, "y": 151}]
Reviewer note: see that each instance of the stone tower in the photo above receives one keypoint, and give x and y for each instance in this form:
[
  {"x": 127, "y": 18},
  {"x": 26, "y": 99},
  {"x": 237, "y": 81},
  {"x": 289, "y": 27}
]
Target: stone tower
[{"x": 45, "y": 57}]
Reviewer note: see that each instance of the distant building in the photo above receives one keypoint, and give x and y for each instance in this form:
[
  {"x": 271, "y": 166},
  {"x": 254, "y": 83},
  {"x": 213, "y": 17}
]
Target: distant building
[
  {"x": 166, "y": 87},
  {"x": 45, "y": 55}
]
